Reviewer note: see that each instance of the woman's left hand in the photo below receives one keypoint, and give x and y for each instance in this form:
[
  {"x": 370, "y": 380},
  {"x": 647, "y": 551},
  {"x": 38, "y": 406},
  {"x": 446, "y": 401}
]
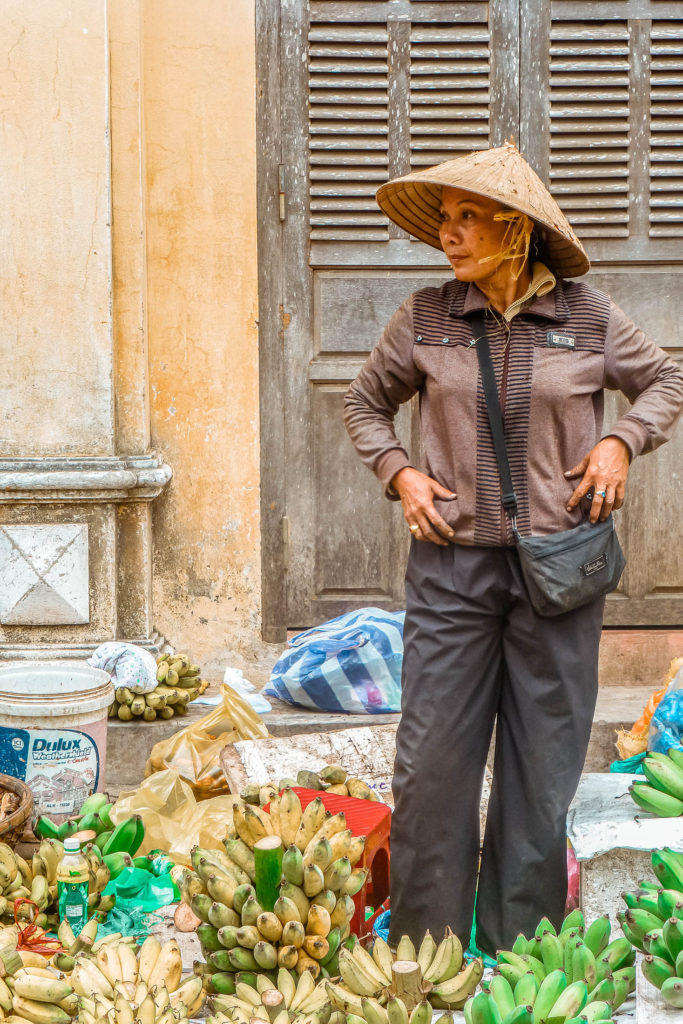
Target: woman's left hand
[{"x": 603, "y": 471}]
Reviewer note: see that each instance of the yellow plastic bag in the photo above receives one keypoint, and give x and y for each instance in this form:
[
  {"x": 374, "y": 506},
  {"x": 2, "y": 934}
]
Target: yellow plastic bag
[
  {"x": 194, "y": 751},
  {"x": 174, "y": 820}
]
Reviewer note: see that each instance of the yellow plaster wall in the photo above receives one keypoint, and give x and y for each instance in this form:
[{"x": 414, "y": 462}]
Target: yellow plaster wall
[
  {"x": 200, "y": 143},
  {"x": 55, "y": 329}
]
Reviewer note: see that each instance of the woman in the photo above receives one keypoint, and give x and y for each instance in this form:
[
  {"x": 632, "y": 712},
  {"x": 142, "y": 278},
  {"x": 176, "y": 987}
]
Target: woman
[{"x": 475, "y": 649}]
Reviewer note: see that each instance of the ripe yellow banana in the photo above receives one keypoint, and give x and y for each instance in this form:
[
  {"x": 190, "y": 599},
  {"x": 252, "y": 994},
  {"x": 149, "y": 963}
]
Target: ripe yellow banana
[
  {"x": 355, "y": 977},
  {"x": 304, "y": 988},
  {"x": 147, "y": 1011},
  {"x": 361, "y": 955},
  {"x": 39, "y": 1013},
  {"x": 5, "y": 998},
  {"x": 287, "y": 986},
  {"x": 40, "y": 988},
  {"x": 149, "y": 954},
  {"x": 344, "y": 999},
  {"x": 109, "y": 963},
  {"x": 128, "y": 963},
  {"x": 290, "y": 816},
  {"x": 168, "y": 968}
]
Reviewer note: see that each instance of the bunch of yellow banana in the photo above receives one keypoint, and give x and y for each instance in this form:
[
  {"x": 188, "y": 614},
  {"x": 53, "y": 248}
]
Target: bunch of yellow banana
[
  {"x": 311, "y": 915},
  {"x": 332, "y": 779},
  {"x": 438, "y": 973},
  {"x": 16, "y": 880},
  {"x": 282, "y": 1001},
  {"x": 124, "y": 984},
  {"x": 179, "y": 683},
  {"x": 37, "y": 995}
]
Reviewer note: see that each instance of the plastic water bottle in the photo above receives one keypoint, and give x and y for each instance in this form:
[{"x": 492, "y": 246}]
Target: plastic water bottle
[{"x": 72, "y": 886}]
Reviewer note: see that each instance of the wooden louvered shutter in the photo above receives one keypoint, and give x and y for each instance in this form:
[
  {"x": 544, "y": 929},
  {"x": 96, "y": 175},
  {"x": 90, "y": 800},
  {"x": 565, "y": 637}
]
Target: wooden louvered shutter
[
  {"x": 602, "y": 119},
  {"x": 602, "y": 122},
  {"x": 369, "y": 89}
]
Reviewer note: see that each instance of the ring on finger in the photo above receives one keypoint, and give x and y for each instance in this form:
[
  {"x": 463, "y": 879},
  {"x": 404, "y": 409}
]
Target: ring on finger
[
  {"x": 414, "y": 528},
  {"x": 601, "y": 494}
]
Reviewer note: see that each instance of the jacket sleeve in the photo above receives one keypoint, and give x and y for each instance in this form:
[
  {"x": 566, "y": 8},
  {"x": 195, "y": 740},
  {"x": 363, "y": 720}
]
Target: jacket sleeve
[
  {"x": 388, "y": 378},
  {"x": 651, "y": 381}
]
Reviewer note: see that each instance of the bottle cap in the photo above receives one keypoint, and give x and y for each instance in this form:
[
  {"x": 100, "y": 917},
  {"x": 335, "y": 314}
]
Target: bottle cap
[{"x": 72, "y": 845}]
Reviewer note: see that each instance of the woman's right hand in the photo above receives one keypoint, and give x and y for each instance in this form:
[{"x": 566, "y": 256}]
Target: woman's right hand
[{"x": 417, "y": 492}]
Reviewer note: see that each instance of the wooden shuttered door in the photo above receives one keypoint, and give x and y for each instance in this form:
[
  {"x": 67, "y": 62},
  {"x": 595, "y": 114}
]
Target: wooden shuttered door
[
  {"x": 367, "y": 90},
  {"x": 602, "y": 122}
]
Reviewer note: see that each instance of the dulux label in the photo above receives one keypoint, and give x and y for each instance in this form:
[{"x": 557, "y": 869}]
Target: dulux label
[{"x": 61, "y": 766}]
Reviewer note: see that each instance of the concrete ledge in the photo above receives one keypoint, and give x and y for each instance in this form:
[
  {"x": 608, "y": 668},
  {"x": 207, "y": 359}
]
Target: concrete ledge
[{"x": 129, "y": 743}]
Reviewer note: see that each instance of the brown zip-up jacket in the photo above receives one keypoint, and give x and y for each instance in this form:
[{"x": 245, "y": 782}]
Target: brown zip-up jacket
[{"x": 565, "y": 348}]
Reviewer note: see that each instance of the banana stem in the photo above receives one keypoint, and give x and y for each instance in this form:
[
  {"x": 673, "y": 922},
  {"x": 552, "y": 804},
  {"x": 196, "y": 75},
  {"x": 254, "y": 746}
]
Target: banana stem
[
  {"x": 274, "y": 1002},
  {"x": 407, "y": 983}
]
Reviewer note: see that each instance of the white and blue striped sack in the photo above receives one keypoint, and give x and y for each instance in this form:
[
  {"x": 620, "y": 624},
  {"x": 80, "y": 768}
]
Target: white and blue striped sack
[{"x": 351, "y": 663}]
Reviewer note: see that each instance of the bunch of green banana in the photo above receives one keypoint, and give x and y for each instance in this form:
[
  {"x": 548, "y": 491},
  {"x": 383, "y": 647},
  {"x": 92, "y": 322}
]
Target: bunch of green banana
[
  {"x": 179, "y": 683},
  {"x": 662, "y": 794},
  {"x": 309, "y": 918},
  {"x": 582, "y": 955},
  {"x": 118, "y": 984},
  {"x": 653, "y": 921},
  {"x": 556, "y": 1001},
  {"x": 115, "y": 845},
  {"x": 332, "y": 779},
  {"x": 94, "y": 816},
  {"x": 283, "y": 997},
  {"x": 652, "y": 905}
]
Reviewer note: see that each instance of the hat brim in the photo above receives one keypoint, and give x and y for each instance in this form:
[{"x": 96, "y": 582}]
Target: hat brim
[{"x": 414, "y": 202}]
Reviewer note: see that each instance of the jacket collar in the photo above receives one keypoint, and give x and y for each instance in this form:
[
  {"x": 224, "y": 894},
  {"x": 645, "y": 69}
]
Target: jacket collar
[{"x": 467, "y": 299}]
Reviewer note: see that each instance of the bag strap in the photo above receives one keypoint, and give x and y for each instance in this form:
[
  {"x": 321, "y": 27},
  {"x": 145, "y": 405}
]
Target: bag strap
[{"x": 488, "y": 381}]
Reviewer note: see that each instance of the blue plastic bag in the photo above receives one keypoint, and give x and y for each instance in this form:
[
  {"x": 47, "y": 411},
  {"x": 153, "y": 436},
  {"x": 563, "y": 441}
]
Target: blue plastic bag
[{"x": 351, "y": 663}]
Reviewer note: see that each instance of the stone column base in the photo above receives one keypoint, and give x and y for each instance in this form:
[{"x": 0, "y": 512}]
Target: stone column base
[{"x": 76, "y": 554}]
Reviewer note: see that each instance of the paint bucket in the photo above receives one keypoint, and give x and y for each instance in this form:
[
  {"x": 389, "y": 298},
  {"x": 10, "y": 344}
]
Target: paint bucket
[{"x": 54, "y": 732}]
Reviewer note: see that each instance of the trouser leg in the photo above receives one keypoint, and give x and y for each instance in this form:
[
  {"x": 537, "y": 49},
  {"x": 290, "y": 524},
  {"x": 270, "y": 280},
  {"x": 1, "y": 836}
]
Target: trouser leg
[
  {"x": 451, "y": 680},
  {"x": 543, "y": 728}
]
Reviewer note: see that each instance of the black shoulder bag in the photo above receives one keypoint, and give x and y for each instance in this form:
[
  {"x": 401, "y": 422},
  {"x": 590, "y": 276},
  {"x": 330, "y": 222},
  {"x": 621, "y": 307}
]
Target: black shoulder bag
[{"x": 563, "y": 570}]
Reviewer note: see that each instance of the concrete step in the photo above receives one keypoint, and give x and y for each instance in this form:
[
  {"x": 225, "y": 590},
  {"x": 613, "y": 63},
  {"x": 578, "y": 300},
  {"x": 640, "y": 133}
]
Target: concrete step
[{"x": 129, "y": 743}]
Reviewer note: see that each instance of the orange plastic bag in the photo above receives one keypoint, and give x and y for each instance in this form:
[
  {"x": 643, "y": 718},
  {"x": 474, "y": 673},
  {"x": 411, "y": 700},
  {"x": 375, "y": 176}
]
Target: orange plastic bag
[
  {"x": 194, "y": 751},
  {"x": 634, "y": 741}
]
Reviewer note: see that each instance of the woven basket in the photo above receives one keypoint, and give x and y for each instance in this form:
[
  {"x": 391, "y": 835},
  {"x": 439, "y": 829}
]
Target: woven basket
[{"x": 12, "y": 828}]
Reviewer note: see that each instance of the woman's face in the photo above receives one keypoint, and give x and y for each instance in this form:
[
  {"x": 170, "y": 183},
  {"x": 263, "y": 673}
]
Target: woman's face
[{"x": 469, "y": 233}]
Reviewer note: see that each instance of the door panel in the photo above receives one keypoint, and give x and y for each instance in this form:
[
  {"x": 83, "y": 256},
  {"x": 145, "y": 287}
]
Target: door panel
[{"x": 369, "y": 89}]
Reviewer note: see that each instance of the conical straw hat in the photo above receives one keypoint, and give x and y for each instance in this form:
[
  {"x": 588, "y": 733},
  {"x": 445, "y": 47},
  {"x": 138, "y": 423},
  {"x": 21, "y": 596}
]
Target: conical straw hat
[{"x": 413, "y": 201}]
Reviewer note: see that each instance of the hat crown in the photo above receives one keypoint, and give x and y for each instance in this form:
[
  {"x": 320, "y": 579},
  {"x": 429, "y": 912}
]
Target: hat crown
[{"x": 500, "y": 173}]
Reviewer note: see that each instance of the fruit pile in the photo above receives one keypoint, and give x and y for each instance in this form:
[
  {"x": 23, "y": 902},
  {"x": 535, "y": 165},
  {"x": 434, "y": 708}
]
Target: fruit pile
[
  {"x": 283, "y": 999},
  {"x": 560, "y": 974},
  {"x": 179, "y": 683},
  {"x": 662, "y": 794},
  {"x": 653, "y": 922},
  {"x": 433, "y": 975},
  {"x": 108, "y": 980},
  {"x": 281, "y": 893},
  {"x": 332, "y": 778},
  {"x": 38, "y": 882},
  {"x": 373, "y": 989},
  {"x": 32, "y": 992},
  {"x": 122, "y": 984},
  {"x": 93, "y": 825}
]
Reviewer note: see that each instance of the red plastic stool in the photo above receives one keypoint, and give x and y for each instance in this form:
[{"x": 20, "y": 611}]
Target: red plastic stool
[{"x": 372, "y": 820}]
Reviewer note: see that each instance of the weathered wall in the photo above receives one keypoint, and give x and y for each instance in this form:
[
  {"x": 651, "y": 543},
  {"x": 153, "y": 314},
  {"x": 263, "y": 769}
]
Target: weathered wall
[
  {"x": 200, "y": 136},
  {"x": 56, "y": 395}
]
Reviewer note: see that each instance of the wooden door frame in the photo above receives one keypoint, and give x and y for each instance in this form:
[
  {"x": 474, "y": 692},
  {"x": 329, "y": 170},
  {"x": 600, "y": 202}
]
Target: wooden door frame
[{"x": 271, "y": 324}]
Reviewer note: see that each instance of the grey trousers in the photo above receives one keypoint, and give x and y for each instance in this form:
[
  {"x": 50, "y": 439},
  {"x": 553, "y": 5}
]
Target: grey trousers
[{"x": 475, "y": 653}]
